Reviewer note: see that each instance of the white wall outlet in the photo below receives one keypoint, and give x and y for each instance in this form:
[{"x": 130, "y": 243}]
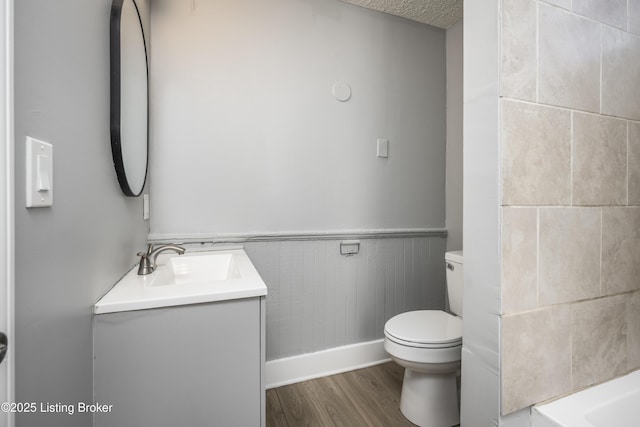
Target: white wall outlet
[
  {"x": 145, "y": 207},
  {"x": 349, "y": 247},
  {"x": 383, "y": 148},
  {"x": 39, "y": 173}
]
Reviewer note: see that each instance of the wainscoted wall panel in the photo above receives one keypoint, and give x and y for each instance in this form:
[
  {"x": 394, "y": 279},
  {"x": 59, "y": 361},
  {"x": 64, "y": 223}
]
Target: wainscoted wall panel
[{"x": 319, "y": 299}]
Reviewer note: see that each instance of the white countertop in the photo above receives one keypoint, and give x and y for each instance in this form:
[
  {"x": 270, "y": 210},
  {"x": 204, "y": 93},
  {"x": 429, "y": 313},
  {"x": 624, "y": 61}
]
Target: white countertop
[{"x": 135, "y": 292}]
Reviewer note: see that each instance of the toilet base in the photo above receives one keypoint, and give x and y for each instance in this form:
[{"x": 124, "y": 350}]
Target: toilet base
[{"x": 430, "y": 399}]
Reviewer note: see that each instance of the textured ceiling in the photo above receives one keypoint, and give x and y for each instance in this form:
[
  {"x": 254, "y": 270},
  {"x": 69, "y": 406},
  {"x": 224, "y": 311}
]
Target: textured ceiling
[{"x": 439, "y": 13}]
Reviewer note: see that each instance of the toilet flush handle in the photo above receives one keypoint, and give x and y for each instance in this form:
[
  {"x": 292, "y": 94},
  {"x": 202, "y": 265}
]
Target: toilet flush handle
[{"x": 449, "y": 266}]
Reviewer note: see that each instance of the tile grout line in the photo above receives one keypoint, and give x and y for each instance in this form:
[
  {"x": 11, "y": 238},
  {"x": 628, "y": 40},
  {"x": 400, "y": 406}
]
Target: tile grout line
[
  {"x": 537, "y": 257},
  {"x": 601, "y": 57},
  {"x": 571, "y": 347},
  {"x": 572, "y": 150},
  {"x": 537, "y": 52},
  {"x": 601, "y": 245},
  {"x": 627, "y": 183}
]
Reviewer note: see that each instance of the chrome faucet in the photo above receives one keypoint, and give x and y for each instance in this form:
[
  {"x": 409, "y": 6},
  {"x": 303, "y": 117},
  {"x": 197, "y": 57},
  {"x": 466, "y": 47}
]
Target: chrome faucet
[{"x": 148, "y": 259}]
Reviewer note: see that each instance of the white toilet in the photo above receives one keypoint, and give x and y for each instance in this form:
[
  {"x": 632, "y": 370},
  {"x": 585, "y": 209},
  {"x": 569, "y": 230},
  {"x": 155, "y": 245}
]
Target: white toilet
[{"x": 428, "y": 344}]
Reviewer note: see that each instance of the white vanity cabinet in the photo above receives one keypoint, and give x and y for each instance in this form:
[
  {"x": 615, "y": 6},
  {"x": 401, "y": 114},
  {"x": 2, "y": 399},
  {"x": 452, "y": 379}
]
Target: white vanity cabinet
[{"x": 188, "y": 365}]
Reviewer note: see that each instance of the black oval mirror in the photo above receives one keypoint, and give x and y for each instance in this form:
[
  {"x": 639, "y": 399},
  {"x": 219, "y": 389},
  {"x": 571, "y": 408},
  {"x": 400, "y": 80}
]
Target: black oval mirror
[{"x": 129, "y": 97}]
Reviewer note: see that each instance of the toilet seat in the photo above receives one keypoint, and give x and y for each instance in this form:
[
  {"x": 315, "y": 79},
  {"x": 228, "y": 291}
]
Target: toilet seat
[
  {"x": 422, "y": 345},
  {"x": 425, "y": 329}
]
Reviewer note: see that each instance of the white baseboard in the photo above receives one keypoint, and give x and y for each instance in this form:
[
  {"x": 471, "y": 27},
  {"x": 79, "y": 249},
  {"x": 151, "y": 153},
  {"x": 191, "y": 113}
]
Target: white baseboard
[{"x": 308, "y": 366}]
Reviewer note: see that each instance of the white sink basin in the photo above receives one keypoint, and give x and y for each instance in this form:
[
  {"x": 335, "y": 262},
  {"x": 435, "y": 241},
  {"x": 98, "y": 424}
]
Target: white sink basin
[
  {"x": 192, "y": 278},
  {"x": 192, "y": 268}
]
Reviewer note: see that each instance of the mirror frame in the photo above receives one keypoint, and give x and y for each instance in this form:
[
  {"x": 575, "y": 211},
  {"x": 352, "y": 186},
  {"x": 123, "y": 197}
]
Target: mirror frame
[{"x": 116, "y": 110}]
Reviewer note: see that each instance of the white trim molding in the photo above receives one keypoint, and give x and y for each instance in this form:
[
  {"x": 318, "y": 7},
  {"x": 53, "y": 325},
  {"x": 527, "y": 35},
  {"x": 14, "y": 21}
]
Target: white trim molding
[
  {"x": 308, "y": 366},
  {"x": 301, "y": 235},
  {"x": 7, "y": 203}
]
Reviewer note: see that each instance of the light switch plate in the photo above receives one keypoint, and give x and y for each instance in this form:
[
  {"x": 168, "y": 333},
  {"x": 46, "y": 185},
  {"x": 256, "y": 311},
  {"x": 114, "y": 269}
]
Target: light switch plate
[
  {"x": 145, "y": 207},
  {"x": 39, "y": 173},
  {"x": 383, "y": 148}
]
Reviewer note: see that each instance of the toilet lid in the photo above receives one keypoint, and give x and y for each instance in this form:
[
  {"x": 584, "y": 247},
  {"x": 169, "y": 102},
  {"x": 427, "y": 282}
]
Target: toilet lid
[{"x": 425, "y": 327}]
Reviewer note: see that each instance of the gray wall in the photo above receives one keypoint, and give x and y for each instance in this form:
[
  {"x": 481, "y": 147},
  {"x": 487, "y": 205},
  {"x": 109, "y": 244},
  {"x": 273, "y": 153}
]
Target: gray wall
[
  {"x": 454, "y": 137},
  {"x": 69, "y": 254},
  {"x": 248, "y": 137}
]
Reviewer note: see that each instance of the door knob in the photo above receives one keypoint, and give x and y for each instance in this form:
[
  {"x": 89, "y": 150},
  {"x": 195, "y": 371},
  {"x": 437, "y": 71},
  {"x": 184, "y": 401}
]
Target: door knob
[{"x": 3, "y": 345}]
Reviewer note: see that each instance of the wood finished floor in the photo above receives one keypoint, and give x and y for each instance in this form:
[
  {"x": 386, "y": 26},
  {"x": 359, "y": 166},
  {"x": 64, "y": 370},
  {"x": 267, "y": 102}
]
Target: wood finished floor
[{"x": 365, "y": 397}]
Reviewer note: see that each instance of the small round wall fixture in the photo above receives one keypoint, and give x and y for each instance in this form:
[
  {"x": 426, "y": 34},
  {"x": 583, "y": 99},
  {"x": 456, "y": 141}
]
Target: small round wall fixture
[{"x": 342, "y": 91}]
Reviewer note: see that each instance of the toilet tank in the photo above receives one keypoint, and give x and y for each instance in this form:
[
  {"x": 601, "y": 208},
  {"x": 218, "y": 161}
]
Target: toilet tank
[{"x": 453, "y": 264}]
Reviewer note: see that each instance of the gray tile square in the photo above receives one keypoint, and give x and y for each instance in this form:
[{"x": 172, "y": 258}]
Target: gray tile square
[
  {"x": 569, "y": 265},
  {"x": 620, "y": 250},
  {"x": 620, "y": 74},
  {"x": 568, "y": 60},
  {"x": 536, "y": 356},
  {"x": 599, "y": 340},
  {"x": 519, "y": 259},
  {"x": 519, "y": 55},
  {"x": 536, "y": 154},
  {"x": 610, "y": 12},
  {"x": 599, "y": 160}
]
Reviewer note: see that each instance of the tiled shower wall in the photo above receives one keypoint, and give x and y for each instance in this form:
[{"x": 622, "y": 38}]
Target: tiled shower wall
[
  {"x": 570, "y": 144},
  {"x": 319, "y": 299}
]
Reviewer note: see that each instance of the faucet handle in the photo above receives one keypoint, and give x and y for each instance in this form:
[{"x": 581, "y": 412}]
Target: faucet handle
[
  {"x": 148, "y": 259},
  {"x": 148, "y": 252}
]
